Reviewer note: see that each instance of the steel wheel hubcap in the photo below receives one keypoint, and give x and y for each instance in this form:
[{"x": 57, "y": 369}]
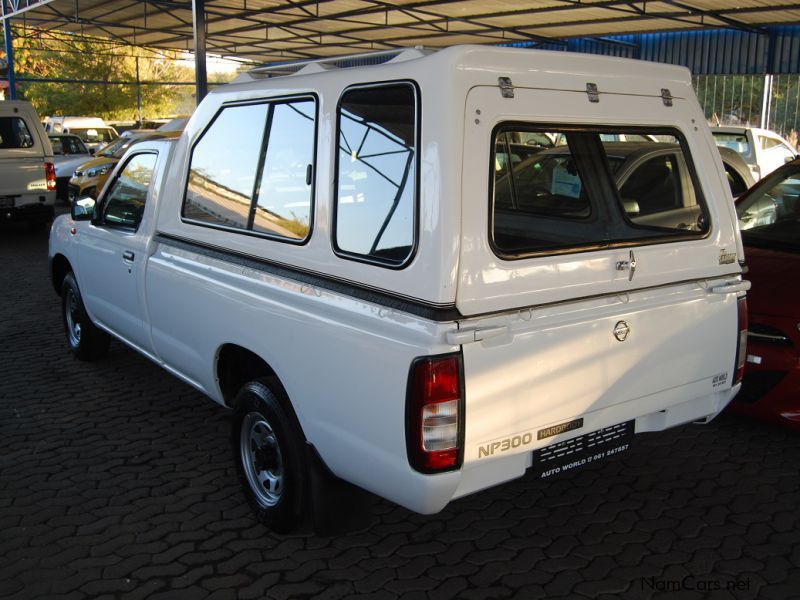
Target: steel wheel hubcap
[
  {"x": 261, "y": 458},
  {"x": 73, "y": 319}
]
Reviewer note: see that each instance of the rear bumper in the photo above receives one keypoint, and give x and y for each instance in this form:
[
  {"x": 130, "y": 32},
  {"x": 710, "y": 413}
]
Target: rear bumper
[
  {"x": 38, "y": 211},
  {"x": 482, "y": 474}
]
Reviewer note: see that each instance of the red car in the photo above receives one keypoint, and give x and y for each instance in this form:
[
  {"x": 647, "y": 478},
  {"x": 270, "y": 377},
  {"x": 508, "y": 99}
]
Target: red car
[{"x": 769, "y": 217}]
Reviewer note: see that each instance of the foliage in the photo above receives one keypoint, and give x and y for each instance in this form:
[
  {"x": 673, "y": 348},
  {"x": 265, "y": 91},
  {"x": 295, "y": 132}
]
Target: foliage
[
  {"x": 737, "y": 100},
  {"x": 64, "y": 56}
]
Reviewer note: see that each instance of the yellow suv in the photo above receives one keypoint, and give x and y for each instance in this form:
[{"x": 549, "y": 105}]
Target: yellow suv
[{"x": 89, "y": 177}]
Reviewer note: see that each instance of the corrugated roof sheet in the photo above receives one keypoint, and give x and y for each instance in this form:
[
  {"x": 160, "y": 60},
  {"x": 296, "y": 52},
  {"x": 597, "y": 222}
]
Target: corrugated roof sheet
[{"x": 276, "y": 30}]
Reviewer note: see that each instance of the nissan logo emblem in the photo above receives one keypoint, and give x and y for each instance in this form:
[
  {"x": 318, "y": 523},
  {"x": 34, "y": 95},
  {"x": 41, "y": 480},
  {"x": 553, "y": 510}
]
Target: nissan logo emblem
[{"x": 621, "y": 331}]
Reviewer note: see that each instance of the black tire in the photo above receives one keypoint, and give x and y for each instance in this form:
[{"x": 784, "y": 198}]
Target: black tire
[
  {"x": 85, "y": 341},
  {"x": 267, "y": 443}
]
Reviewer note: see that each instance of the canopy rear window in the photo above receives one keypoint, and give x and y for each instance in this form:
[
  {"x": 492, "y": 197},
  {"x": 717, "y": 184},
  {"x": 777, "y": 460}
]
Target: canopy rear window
[
  {"x": 586, "y": 193},
  {"x": 14, "y": 133}
]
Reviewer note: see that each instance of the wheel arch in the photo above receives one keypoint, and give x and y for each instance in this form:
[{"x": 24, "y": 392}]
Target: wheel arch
[
  {"x": 236, "y": 365},
  {"x": 59, "y": 267}
]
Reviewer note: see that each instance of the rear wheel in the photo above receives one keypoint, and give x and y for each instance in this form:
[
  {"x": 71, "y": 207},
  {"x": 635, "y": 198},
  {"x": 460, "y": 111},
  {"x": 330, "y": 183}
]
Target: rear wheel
[
  {"x": 268, "y": 450},
  {"x": 85, "y": 341}
]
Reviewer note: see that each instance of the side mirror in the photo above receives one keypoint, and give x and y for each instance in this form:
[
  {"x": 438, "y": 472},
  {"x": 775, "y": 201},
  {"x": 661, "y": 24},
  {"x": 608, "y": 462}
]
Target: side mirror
[
  {"x": 92, "y": 151},
  {"x": 82, "y": 209}
]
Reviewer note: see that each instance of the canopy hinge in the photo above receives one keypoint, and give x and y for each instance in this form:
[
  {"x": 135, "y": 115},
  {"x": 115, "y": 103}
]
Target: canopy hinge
[
  {"x": 591, "y": 91},
  {"x": 477, "y": 334},
  {"x": 506, "y": 87}
]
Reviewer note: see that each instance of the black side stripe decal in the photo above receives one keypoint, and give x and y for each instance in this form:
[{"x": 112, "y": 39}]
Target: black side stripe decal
[{"x": 419, "y": 308}]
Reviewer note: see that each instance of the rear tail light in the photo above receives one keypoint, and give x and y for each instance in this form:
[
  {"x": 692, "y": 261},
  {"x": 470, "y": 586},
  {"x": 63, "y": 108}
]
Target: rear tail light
[
  {"x": 741, "y": 347},
  {"x": 50, "y": 175},
  {"x": 435, "y": 413}
]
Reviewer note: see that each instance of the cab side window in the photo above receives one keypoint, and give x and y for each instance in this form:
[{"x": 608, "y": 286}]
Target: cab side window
[
  {"x": 125, "y": 201},
  {"x": 252, "y": 170}
]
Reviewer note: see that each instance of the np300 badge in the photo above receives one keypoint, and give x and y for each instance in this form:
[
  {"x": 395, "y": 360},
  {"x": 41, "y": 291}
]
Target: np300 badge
[{"x": 621, "y": 331}]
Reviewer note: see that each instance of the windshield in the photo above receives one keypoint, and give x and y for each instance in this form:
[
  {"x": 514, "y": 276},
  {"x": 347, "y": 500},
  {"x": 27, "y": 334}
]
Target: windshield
[
  {"x": 770, "y": 217},
  {"x": 93, "y": 135},
  {"x": 116, "y": 148}
]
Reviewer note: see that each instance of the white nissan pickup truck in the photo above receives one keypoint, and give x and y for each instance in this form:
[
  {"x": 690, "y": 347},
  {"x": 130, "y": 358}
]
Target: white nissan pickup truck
[
  {"x": 425, "y": 277},
  {"x": 27, "y": 172}
]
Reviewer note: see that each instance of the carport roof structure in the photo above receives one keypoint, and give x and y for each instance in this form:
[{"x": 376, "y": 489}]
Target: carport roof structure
[{"x": 280, "y": 30}]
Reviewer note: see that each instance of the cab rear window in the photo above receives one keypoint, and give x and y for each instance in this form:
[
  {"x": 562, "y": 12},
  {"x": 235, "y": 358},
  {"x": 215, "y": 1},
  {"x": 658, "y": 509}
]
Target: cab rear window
[{"x": 593, "y": 188}]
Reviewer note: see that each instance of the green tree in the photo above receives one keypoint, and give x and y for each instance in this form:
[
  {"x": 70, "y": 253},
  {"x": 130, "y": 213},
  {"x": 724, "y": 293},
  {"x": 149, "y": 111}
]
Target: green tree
[{"x": 74, "y": 58}]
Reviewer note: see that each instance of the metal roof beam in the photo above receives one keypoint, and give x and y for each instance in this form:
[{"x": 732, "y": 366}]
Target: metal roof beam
[
  {"x": 12, "y": 9},
  {"x": 728, "y": 21}
]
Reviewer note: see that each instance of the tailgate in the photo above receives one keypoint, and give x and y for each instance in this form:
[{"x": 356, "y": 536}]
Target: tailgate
[
  {"x": 602, "y": 361},
  {"x": 22, "y": 176},
  {"x": 594, "y": 232},
  {"x": 22, "y": 152}
]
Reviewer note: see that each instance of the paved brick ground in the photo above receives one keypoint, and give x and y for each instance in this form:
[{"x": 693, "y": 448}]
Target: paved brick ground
[{"x": 116, "y": 482}]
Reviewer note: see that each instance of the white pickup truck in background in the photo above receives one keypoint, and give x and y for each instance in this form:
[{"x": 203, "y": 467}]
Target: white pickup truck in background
[
  {"x": 423, "y": 302},
  {"x": 27, "y": 173}
]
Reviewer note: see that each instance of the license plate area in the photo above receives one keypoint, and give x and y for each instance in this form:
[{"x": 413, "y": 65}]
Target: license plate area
[{"x": 583, "y": 450}]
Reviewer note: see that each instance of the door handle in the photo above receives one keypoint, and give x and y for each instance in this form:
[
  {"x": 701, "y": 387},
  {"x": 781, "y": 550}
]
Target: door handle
[
  {"x": 628, "y": 265},
  {"x": 128, "y": 255}
]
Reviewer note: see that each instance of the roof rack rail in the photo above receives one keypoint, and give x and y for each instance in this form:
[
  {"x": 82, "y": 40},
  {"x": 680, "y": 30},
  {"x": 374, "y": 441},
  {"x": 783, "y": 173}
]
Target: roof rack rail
[{"x": 290, "y": 68}]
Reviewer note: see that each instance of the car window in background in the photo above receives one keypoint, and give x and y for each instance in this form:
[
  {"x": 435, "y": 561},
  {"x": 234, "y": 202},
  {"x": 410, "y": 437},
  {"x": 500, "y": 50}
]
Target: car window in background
[
  {"x": 118, "y": 147},
  {"x": 74, "y": 145},
  {"x": 511, "y": 147},
  {"x": 561, "y": 199},
  {"x": 735, "y": 141},
  {"x": 776, "y": 148},
  {"x": 771, "y": 216},
  {"x": 126, "y": 199},
  {"x": 174, "y": 125},
  {"x": 65, "y": 145},
  {"x": 535, "y": 138},
  {"x": 735, "y": 181},
  {"x": 14, "y": 133},
  {"x": 93, "y": 135},
  {"x": 654, "y": 186}
]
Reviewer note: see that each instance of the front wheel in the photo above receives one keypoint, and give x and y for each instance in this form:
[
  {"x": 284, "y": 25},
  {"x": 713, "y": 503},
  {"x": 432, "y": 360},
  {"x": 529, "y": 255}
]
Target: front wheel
[
  {"x": 84, "y": 339},
  {"x": 268, "y": 450}
]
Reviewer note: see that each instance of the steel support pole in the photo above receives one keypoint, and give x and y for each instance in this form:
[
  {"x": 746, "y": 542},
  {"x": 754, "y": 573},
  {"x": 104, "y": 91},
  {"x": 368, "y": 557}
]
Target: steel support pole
[
  {"x": 199, "y": 25},
  {"x": 766, "y": 103},
  {"x": 12, "y": 82},
  {"x": 138, "y": 94}
]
